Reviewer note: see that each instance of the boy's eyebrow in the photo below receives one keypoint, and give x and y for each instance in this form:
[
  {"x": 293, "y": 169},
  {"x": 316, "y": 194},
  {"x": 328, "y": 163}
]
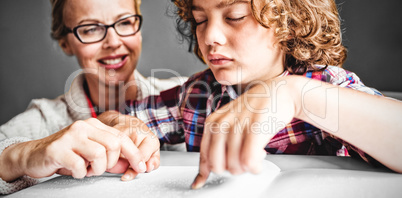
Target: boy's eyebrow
[{"x": 222, "y": 4}]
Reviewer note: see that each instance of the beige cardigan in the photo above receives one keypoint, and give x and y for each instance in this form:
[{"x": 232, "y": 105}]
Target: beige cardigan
[{"x": 44, "y": 117}]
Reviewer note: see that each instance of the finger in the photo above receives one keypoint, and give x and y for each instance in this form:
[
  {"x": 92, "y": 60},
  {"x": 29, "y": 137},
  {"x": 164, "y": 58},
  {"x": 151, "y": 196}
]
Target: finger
[
  {"x": 252, "y": 152},
  {"x": 129, "y": 175},
  {"x": 202, "y": 175},
  {"x": 149, "y": 145},
  {"x": 130, "y": 151},
  {"x": 104, "y": 135},
  {"x": 234, "y": 142},
  {"x": 132, "y": 154},
  {"x": 120, "y": 167},
  {"x": 218, "y": 133},
  {"x": 64, "y": 171},
  {"x": 94, "y": 153},
  {"x": 217, "y": 152},
  {"x": 204, "y": 170},
  {"x": 153, "y": 162},
  {"x": 74, "y": 163}
]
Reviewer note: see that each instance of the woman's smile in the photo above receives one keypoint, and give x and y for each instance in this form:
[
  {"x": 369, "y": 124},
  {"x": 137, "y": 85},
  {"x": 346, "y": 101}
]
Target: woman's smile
[{"x": 113, "y": 62}]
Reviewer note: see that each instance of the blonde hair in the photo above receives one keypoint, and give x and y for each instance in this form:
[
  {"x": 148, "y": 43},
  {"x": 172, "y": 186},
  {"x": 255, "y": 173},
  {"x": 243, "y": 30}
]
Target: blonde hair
[
  {"x": 308, "y": 31},
  {"x": 58, "y": 29}
]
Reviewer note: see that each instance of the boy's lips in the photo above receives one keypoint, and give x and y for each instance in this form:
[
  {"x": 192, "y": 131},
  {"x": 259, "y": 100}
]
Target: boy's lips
[
  {"x": 113, "y": 62},
  {"x": 218, "y": 59}
]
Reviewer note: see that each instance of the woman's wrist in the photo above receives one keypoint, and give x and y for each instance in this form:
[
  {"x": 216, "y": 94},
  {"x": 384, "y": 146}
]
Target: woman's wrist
[{"x": 11, "y": 162}]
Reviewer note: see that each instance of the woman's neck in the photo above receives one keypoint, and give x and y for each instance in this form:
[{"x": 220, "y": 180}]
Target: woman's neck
[{"x": 112, "y": 96}]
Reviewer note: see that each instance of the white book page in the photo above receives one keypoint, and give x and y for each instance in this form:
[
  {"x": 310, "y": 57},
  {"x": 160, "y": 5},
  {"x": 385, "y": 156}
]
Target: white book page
[{"x": 166, "y": 181}]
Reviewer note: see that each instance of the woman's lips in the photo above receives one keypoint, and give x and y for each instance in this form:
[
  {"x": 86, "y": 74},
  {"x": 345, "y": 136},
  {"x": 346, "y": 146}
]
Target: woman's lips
[
  {"x": 218, "y": 59},
  {"x": 113, "y": 62}
]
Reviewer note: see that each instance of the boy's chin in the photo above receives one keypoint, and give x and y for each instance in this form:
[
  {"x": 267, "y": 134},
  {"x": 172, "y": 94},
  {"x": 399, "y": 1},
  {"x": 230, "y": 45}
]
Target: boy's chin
[{"x": 227, "y": 82}]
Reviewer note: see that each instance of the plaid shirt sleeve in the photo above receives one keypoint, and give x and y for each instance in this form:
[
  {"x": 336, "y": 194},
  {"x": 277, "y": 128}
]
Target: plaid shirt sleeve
[
  {"x": 165, "y": 114},
  {"x": 347, "y": 79},
  {"x": 161, "y": 114}
]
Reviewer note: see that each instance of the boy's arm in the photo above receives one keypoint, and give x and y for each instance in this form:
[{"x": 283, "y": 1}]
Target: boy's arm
[{"x": 370, "y": 123}]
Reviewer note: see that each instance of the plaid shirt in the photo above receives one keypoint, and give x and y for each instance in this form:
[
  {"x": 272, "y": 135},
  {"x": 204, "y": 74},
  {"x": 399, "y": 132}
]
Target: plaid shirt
[{"x": 178, "y": 115}]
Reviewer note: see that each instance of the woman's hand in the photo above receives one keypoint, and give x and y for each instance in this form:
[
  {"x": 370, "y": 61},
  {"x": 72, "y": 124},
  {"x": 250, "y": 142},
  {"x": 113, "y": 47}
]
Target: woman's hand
[
  {"x": 84, "y": 148},
  {"x": 142, "y": 137},
  {"x": 236, "y": 134}
]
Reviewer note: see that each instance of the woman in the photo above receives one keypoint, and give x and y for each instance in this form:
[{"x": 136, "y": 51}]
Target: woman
[{"x": 60, "y": 135}]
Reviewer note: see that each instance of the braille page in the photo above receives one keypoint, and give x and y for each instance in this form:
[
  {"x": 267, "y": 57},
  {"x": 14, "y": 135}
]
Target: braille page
[{"x": 166, "y": 181}]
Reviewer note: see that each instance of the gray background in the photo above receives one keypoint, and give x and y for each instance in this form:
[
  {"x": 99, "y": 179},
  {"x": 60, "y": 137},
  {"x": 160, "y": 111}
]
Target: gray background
[{"x": 33, "y": 66}]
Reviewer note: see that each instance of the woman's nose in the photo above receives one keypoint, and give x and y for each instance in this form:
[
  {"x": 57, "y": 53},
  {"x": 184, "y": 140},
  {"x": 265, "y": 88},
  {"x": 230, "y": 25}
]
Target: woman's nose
[{"x": 112, "y": 39}]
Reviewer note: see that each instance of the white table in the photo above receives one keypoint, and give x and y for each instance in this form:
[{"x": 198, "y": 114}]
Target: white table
[{"x": 301, "y": 176}]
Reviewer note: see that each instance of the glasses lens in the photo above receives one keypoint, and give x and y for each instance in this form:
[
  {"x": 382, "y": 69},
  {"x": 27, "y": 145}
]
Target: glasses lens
[
  {"x": 128, "y": 26},
  {"x": 91, "y": 33}
]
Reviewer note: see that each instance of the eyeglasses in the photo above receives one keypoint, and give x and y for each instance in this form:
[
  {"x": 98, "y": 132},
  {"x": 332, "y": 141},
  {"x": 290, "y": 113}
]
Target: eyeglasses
[{"x": 92, "y": 33}]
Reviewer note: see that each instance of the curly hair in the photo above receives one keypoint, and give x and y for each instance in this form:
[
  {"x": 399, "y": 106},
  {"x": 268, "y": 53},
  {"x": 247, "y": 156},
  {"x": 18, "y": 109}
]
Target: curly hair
[
  {"x": 308, "y": 31},
  {"x": 58, "y": 29}
]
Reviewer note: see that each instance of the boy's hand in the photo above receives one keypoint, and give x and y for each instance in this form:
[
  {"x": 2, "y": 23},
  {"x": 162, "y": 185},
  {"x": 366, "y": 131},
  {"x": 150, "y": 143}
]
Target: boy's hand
[{"x": 236, "y": 134}]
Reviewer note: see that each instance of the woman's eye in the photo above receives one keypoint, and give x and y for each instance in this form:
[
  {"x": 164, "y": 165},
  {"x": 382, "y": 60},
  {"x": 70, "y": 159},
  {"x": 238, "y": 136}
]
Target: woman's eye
[
  {"x": 235, "y": 19},
  {"x": 91, "y": 30}
]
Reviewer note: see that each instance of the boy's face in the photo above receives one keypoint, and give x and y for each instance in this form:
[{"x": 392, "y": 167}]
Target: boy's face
[{"x": 235, "y": 46}]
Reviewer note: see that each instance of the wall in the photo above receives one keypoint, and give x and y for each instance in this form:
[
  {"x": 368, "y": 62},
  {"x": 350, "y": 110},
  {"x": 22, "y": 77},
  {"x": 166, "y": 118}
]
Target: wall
[{"x": 33, "y": 66}]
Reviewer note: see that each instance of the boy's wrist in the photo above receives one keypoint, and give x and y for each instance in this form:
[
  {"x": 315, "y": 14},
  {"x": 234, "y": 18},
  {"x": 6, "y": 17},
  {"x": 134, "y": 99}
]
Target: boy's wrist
[{"x": 110, "y": 118}]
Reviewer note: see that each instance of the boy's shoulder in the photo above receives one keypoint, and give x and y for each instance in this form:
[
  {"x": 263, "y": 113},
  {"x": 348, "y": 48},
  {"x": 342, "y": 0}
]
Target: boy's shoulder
[
  {"x": 340, "y": 77},
  {"x": 331, "y": 74},
  {"x": 202, "y": 80}
]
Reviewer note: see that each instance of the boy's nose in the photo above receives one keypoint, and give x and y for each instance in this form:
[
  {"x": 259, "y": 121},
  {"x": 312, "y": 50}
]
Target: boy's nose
[{"x": 214, "y": 33}]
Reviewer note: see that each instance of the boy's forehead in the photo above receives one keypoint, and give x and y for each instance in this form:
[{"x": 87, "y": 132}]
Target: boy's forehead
[{"x": 218, "y": 3}]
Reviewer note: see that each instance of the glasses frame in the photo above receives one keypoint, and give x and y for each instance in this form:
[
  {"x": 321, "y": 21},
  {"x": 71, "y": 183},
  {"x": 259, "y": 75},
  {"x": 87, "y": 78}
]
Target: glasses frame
[{"x": 75, "y": 29}]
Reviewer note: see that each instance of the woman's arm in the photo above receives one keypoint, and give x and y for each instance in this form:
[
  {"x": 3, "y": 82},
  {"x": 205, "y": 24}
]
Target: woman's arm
[{"x": 70, "y": 152}]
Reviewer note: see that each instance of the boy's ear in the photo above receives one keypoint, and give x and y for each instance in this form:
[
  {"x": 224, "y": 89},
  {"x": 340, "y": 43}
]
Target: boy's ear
[{"x": 66, "y": 46}]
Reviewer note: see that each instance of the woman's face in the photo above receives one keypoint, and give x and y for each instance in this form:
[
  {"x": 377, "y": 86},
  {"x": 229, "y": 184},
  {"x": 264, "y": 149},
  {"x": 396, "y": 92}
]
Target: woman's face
[
  {"x": 112, "y": 60},
  {"x": 235, "y": 46}
]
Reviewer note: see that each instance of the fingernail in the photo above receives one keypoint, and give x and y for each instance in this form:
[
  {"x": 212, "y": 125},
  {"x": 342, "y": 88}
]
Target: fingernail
[
  {"x": 196, "y": 186},
  {"x": 90, "y": 174},
  {"x": 126, "y": 177},
  {"x": 142, "y": 166},
  {"x": 151, "y": 168},
  {"x": 196, "y": 183}
]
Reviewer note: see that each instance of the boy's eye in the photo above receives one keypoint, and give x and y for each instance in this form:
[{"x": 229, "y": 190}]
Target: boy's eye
[
  {"x": 235, "y": 19},
  {"x": 200, "y": 22}
]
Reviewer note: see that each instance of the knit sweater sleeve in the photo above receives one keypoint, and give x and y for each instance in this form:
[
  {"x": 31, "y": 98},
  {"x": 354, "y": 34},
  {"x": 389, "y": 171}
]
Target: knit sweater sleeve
[
  {"x": 20, "y": 183},
  {"x": 42, "y": 118}
]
